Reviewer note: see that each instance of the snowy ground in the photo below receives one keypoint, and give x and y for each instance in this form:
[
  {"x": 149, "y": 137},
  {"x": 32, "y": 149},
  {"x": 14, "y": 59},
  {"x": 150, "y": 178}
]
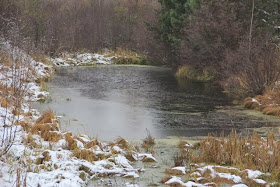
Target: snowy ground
[
  {"x": 56, "y": 158},
  {"x": 82, "y": 59},
  {"x": 64, "y": 159},
  {"x": 211, "y": 175},
  {"x": 200, "y": 175}
]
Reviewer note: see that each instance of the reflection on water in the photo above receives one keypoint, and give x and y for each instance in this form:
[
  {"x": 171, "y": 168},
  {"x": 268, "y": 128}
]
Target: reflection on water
[{"x": 112, "y": 101}]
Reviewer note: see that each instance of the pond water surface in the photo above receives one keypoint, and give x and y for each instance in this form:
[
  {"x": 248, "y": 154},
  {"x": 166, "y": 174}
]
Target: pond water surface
[{"x": 111, "y": 101}]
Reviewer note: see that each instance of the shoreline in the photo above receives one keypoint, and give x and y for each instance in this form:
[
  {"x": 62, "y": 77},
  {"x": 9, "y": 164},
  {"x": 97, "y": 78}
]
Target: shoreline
[{"x": 47, "y": 155}]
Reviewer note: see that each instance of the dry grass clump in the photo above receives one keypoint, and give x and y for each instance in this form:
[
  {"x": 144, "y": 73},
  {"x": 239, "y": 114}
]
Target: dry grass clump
[
  {"x": 251, "y": 152},
  {"x": 165, "y": 179},
  {"x": 174, "y": 172},
  {"x": 84, "y": 154},
  {"x": 52, "y": 136},
  {"x": 122, "y": 143},
  {"x": 185, "y": 72},
  {"x": 71, "y": 142},
  {"x": 182, "y": 144},
  {"x": 232, "y": 171},
  {"x": 250, "y": 104},
  {"x": 149, "y": 141},
  {"x": 49, "y": 132},
  {"x": 47, "y": 117},
  {"x": 4, "y": 103},
  {"x": 220, "y": 180},
  {"x": 93, "y": 144},
  {"x": 47, "y": 127},
  {"x": 272, "y": 110},
  {"x": 81, "y": 153},
  {"x": 269, "y": 103},
  {"x": 130, "y": 156}
]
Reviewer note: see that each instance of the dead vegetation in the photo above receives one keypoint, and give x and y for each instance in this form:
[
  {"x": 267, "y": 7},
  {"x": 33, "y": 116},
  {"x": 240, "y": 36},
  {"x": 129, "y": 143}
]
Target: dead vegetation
[
  {"x": 232, "y": 155},
  {"x": 84, "y": 154},
  {"x": 252, "y": 152},
  {"x": 148, "y": 142},
  {"x": 179, "y": 159},
  {"x": 16, "y": 71},
  {"x": 47, "y": 117},
  {"x": 123, "y": 144},
  {"x": 47, "y": 127},
  {"x": 249, "y": 152},
  {"x": 40, "y": 57},
  {"x": 268, "y": 103}
]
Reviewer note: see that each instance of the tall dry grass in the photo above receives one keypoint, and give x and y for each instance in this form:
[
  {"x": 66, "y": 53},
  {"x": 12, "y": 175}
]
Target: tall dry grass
[
  {"x": 47, "y": 127},
  {"x": 148, "y": 142},
  {"x": 253, "y": 152},
  {"x": 268, "y": 103}
]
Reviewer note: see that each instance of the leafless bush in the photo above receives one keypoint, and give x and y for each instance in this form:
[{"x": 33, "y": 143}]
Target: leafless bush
[
  {"x": 17, "y": 72},
  {"x": 253, "y": 70},
  {"x": 57, "y": 26},
  {"x": 213, "y": 29}
]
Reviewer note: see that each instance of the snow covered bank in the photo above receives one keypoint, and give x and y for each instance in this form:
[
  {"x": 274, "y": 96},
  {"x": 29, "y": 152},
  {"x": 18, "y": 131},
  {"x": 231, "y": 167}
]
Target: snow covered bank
[
  {"x": 239, "y": 161},
  {"x": 119, "y": 56},
  {"x": 215, "y": 175},
  {"x": 38, "y": 152},
  {"x": 82, "y": 59}
]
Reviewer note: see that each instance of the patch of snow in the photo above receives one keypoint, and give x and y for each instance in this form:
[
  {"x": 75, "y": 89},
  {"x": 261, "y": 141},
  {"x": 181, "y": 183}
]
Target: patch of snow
[
  {"x": 234, "y": 178},
  {"x": 174, "y": 179},
  {"x": 188, "y": 145},
  {"x": 122, "y": 161},
  {"x": 182, "y": 169},
  {"x": 82, "y": 59},
  {"x": 254, "y": 174},
  {"x": 240, "y": 185},
  {"x": 142, "y": 156},
  {"x": 259, "y": 181}
]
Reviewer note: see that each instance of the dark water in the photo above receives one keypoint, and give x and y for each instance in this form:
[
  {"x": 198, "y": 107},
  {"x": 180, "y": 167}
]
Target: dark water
[{"x": 112, "y": 101}]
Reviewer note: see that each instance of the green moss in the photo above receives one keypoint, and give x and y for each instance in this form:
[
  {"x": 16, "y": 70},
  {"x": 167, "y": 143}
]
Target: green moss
[{"x": 83, "y": 176}]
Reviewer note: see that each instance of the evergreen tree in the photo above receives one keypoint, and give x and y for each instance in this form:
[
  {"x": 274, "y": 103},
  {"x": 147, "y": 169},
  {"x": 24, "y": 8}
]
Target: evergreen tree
[{"x": 171, "y": 18}]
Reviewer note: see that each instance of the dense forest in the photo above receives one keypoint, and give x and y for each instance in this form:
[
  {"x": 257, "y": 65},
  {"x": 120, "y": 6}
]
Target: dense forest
[{"x": 235, "y": 42}]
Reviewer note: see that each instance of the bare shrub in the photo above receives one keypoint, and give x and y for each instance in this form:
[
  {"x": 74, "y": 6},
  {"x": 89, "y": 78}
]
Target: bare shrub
[
  {"x": 213, "y": 29},
  {"x": 252, "y": 71},
  {"x": 14, "y": 88}
]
